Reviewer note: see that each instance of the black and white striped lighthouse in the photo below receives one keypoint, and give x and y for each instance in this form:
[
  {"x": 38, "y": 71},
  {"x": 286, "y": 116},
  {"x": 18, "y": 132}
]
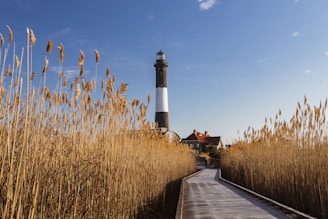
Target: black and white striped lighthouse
[{"x": 162, "y": 105}]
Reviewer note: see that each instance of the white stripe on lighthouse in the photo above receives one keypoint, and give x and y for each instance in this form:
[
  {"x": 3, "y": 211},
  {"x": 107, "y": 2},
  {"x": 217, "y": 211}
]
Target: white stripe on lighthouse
[{"x": 161, "y": 100}]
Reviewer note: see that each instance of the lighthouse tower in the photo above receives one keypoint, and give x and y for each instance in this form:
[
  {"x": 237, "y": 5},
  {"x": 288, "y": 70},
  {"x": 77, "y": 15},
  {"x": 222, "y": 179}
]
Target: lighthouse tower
[{"x": 162, "y": 107}]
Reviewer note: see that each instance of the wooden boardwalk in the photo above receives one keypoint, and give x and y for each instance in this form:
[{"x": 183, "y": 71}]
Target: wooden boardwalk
[{"x": 202, "y": 196}]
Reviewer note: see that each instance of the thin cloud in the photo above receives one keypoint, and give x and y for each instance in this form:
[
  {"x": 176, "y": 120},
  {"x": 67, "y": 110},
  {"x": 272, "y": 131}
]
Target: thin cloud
[
  {"x": 264, "y": 60},
  {"x": 326, "y": 53},
  {"x": 308, "y": 71},
  {"x": 60, "y": 33},
  {"x": 187, "y": 68},
  {"x": 176, "y": 44},
  {"x": 63, "y": 31},
  {"x": 69, "y": 72},
  {"x": 295, "y": 34},
  {"x": 206, "y": 4},
  {"x": 150, "y": 17}
]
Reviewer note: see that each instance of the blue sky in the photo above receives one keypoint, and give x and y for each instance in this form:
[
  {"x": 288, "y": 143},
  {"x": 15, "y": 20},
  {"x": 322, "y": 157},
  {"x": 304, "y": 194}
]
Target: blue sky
[{"x": 231, "y": 62}]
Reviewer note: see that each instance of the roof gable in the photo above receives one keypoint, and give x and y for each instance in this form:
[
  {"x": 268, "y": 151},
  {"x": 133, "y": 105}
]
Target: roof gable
[
  {"x": 197, "y": 136},
  {"x": 191, "y": 137}
]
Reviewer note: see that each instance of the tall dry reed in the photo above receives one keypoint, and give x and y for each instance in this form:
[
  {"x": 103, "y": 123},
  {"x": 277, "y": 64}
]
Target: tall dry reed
[
  {"x": 65, "y": 154},
  {"x": 285, "y": 160}
]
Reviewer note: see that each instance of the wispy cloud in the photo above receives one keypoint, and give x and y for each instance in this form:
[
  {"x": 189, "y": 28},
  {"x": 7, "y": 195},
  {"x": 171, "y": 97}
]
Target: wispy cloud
[
  {"x": 62, "y": 31},
  {"x": 326, "y": 53},
  {"x": 69, "y": 72},
  {"x": 58, "y": 35},
  {"x": 206, "y": 4},
  {"x": 150, "y": 17},
  {"x": 308, "y": 71},
  {"x": 176, "y": 44},
  {"x": 187, "y": 68},
  {"x": 295, "y": 34},
  {"x": 264, "y": 60}
]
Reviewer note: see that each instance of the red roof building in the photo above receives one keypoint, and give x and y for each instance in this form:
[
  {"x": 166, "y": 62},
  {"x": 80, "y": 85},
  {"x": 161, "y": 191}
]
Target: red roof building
[{"x": 197, "y": 140}]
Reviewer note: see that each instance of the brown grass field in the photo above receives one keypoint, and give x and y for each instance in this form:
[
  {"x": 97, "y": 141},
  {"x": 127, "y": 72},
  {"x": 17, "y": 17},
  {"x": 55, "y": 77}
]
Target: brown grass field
[
  {"x": 285, "y": 160},
  {"x": 66, "y": 154}
]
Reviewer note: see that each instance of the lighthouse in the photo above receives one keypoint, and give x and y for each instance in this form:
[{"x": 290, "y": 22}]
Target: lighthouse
[{"x": 162, "y": 105}]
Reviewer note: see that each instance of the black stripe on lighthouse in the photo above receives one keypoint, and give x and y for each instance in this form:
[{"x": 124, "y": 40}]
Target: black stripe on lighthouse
[{"x": 162, "y": 107}]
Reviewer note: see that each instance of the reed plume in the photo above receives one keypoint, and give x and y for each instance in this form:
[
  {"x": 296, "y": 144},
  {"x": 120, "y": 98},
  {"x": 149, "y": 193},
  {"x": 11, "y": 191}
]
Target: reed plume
[
  {"x": 45, "y": 67},
  {"x": 32, "y": 37},
  {"x": 97, "y": 61},
  {"x": 61, "y": 53},
  {"x": 108, "y": 72},
  {"x": 8, "y": 71},
  {"x": 97, "y": 56},
  {"x": 81, "y": 59},
  {"x": 10, "y": 34},
  {"x": 49, "y": 47},
  {"x": 149, "y": 98},
  {"x": 77, "y": 92},
  {"x": 17, "y": 62}
]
